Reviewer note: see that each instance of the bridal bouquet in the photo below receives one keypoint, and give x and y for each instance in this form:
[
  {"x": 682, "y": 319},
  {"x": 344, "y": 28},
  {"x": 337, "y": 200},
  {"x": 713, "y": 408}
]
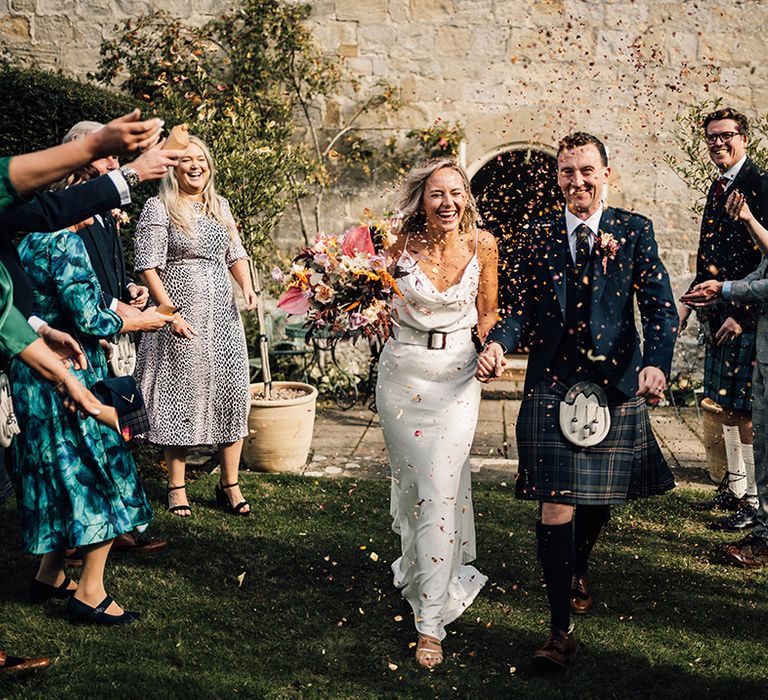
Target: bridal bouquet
[{"x": 342, "y": 284}]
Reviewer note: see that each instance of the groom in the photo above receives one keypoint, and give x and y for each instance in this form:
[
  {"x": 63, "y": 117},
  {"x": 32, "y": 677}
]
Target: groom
[{"x": 577, "y": 283}]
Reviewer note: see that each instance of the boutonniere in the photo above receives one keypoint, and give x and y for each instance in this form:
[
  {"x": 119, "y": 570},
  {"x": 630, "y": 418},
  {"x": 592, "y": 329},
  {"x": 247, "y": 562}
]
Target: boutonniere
[
  {"x": 121, "y": 217},
  {"x": 609, "y": 246}
]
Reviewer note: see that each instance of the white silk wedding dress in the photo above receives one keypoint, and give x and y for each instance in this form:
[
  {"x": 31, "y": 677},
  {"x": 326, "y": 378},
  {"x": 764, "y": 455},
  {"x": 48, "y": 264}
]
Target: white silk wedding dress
[{"x": 428, "y": 401}]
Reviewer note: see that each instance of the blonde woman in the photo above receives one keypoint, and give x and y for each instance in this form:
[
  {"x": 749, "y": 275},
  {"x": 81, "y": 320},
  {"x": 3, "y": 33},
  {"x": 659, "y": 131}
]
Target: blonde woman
[
  {"x": 194, "y": 374},
  {"x": 428, "y": 398}
]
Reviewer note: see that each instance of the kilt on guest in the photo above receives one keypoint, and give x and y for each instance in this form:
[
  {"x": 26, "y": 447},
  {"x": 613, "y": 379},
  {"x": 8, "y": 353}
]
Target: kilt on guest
[
  {"x": 727, "y": 252},
  {"x": 578, "y": 282}
]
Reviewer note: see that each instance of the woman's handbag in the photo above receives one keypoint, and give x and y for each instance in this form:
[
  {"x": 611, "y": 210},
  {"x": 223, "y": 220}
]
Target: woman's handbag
[
  {"x": 9, "y": 426},
  {"x": 122, "y": 393},
  {"x": 584, "y": 416},
  {"x": 123, "y": 358}
]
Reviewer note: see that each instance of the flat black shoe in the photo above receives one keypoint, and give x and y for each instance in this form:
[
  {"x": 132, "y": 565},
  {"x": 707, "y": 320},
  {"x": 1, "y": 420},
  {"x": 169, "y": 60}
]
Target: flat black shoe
[
  {"x": 85, "y": 614},
  {"x": 743, "y": 519},
  {"x": 722, "y": 500},
  {"x": 39, "y": 592},
  {"x": 223, "y": 500}
]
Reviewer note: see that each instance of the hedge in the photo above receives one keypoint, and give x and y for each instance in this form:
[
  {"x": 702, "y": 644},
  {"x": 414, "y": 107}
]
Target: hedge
[{"x": 40, "y": 107}]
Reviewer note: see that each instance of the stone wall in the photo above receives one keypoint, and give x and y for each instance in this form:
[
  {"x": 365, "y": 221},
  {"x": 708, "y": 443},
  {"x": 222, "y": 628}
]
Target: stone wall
[
  {"x": 66, "y": 34},
  {"x": 513, "y": 72}
]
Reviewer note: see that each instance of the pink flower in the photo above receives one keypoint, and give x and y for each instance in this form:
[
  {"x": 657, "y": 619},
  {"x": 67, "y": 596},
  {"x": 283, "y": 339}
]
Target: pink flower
[
  {"x": 294, "y": 301},
  {"x": 357, "y": 240}
]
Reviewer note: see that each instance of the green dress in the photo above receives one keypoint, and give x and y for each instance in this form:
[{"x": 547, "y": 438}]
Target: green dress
[
  {"x": 79, "y": 483},
  {"x": 15, "y": 333}
]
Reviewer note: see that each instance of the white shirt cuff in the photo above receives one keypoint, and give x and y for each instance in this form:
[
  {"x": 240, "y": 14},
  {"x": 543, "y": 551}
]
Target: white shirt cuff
[
  {"x": 36, "y": 323},
  {"x": 726, "y": 290},
  {"x": 122, "y": 186},
  {"x": 113, "y": 304}
]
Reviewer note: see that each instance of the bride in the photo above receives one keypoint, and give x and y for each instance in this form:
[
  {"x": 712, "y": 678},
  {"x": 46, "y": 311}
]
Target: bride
[{"x": 427, "y": 396}]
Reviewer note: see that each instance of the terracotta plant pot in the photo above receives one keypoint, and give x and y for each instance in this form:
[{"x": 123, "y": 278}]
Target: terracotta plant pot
[{"x": 280, "y": 430}]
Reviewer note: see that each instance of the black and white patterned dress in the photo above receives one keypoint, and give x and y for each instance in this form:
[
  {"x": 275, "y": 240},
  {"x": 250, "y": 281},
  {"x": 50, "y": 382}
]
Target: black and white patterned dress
[{"x": 196, "y": 390}]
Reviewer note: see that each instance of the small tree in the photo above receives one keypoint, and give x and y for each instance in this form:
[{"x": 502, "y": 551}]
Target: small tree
[{"x": 243, "y": 82}]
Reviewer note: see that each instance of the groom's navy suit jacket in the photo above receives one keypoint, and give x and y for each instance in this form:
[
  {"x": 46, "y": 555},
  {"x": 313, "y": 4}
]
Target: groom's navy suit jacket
[{"x": 635, "y": 272}]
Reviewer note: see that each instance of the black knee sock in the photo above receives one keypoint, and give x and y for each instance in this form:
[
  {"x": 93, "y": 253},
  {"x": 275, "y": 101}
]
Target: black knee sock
[
  {"x": 556, "y": 555},
  {"x": 588, "y": 522}
]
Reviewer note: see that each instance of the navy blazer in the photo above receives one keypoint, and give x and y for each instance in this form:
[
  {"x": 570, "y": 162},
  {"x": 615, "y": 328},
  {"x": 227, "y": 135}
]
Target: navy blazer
[
  {"x": 49, "y": 211},
  {"x": 105, "y": 249},
  {"x": 726, "y": 250},
  {"x": 635, "y": 272}
]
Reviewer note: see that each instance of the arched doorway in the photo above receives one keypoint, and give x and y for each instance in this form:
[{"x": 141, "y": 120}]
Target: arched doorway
[{"x": 511, "y": 187}]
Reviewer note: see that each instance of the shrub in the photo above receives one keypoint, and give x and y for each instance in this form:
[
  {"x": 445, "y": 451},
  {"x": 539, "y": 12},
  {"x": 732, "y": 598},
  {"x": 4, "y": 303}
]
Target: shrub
[{"x": 43, "y": 106}]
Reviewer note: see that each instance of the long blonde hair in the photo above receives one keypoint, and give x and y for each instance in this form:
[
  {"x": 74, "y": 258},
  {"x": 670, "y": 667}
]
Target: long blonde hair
[
  {"x": 180, "y": 209},
  {"x": 412, "y": 193}
]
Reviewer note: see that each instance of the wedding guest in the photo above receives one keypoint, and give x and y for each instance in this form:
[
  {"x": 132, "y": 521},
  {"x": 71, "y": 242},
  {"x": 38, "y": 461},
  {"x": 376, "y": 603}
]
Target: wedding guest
[
  {"x": 428, "y": 399},
  {"x": 77, "y": 480},
  {"x": 578, "y": 285},
  {"x": 726, "y": 251},
  {"x": 751, "y": 551},
  {"x": 50, "y": 211},
  {"x": 194, "y": 374},
  {"x": 16, "y": 337}
]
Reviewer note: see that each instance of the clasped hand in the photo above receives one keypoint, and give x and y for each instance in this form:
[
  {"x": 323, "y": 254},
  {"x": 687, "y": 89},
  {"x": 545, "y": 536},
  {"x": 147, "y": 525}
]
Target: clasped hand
[{"x": 490, "y": 363}]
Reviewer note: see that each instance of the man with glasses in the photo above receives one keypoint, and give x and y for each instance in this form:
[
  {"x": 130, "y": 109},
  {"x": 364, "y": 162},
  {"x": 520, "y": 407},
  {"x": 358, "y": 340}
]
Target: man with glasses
[{"x": 727, "y": 252}]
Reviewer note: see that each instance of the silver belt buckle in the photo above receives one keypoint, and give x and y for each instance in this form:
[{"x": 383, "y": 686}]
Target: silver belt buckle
[{"x": 436, "y": 340}]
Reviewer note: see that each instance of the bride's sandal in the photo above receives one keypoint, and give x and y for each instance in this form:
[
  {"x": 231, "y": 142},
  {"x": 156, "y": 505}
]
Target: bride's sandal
[
  {"x": 179, "y": 507},
  {"x": 429, "y": 652}
]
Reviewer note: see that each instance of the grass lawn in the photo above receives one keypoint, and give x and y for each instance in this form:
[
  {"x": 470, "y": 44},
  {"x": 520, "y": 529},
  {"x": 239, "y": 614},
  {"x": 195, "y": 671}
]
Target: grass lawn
[{"x": 316, "y": 615}]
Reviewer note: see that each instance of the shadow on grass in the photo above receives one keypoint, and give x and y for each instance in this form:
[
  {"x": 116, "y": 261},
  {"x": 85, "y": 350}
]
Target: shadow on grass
[{"x": 316, "y": 615}]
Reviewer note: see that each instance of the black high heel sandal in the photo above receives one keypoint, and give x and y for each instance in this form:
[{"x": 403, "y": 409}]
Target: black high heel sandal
[
  {"x": 40, "y": 592},
  {"x": 175, "y": 509},
  {"x": 223, "y": 500}
]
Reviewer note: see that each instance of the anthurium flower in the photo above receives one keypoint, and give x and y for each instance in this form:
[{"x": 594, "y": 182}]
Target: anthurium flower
[
  {"x": 294, "y": 301},
  {"x": 357, "y": 240}
]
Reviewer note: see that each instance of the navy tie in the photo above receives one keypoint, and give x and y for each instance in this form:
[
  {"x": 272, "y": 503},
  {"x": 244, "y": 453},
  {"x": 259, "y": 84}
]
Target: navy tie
[{"x": 582, "y": 247}]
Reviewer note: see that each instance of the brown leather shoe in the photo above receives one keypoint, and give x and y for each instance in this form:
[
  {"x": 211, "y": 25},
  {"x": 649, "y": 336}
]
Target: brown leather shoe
[
  {"x": 750, "y": 552},
  {"x": 16, "y": 664},
  {"x": 128, "y": 542},
  {"x": 557, "y": 652},
  {"x": 581, "y": 598}
]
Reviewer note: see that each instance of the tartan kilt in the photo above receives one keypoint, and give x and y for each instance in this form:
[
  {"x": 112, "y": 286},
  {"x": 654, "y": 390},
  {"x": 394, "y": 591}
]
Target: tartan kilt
[
  {"x": 728, "y": 372},
  {"x": 627, "y": 464}
]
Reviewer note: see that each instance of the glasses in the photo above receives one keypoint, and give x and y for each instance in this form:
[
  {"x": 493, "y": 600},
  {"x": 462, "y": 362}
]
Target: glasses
[{"x": 724, "y": 136}]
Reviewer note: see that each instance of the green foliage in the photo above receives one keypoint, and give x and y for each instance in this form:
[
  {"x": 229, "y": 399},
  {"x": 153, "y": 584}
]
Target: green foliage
[
  {"x": 41, "y": 107},
  {"x": 236, "y": 80},
  {"x": 691, "y": 162},
  {"x": 384, "y": 158},
  {"x": 441, "y": 140}
]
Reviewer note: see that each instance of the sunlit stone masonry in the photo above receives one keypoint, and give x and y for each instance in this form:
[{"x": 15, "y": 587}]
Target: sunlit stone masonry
[{"x": 517, "y": 74}]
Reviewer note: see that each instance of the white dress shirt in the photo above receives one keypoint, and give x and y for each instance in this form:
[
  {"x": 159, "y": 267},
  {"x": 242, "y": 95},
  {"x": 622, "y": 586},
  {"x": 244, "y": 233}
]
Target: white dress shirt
[
  {"x": 572, "y": 222},
  {"x": 732, "y": 172}
]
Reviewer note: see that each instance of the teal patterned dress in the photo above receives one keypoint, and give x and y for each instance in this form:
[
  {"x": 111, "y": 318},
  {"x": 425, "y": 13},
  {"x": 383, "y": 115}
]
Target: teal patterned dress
[{"x": 79, "y": 483}]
